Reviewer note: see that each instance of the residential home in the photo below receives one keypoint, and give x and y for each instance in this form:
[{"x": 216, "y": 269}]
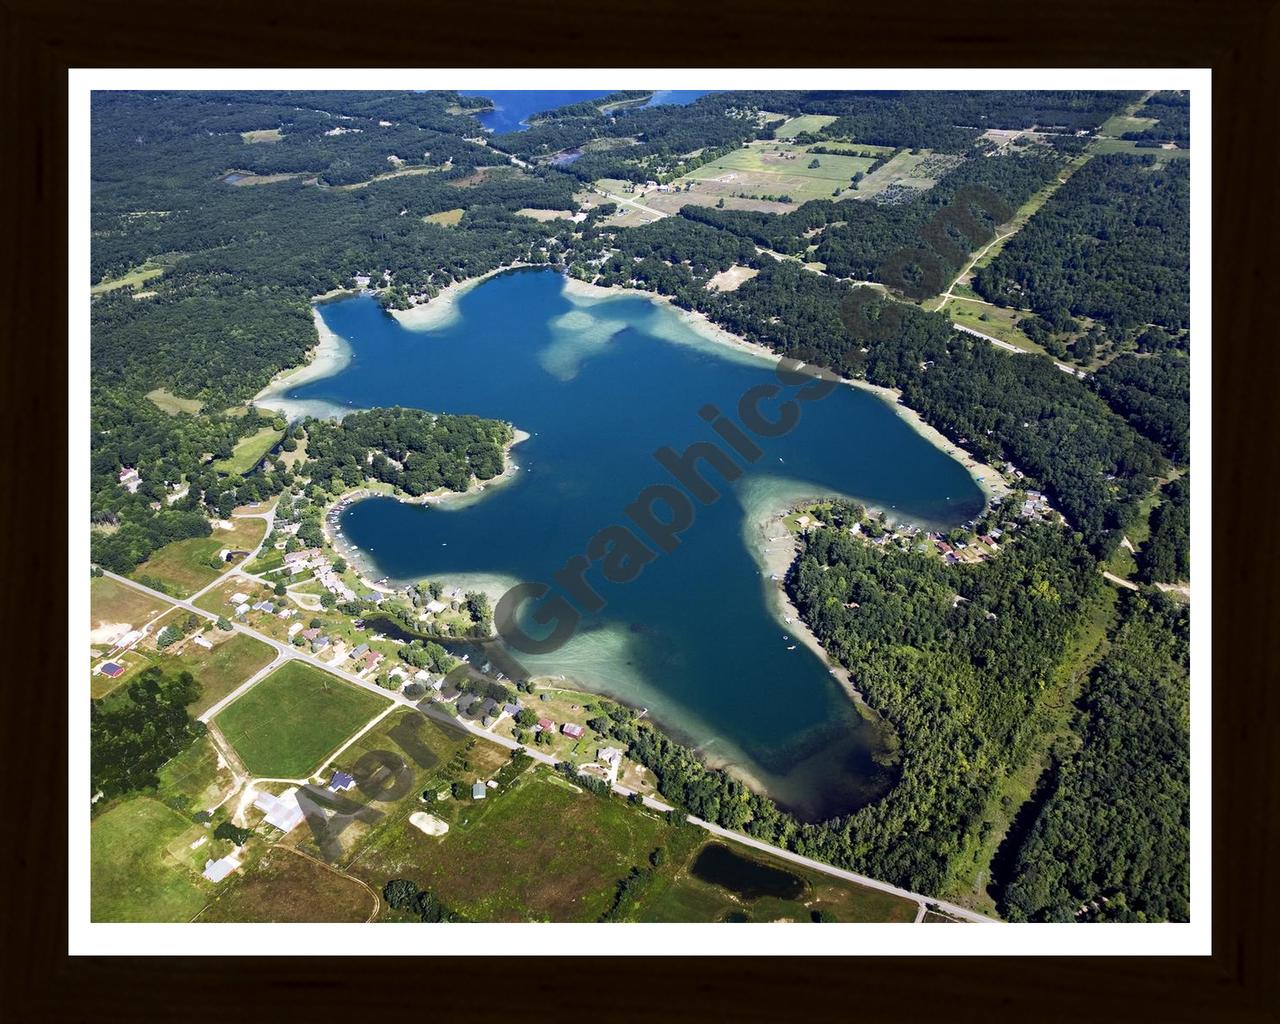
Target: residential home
[
  {"x": 545, "y": 724},
  {"x": 478, "y": 791},
  {"x": 217, "y": 870},
  {"x": 573, "y": 730},
  {"x": 341, "y": 782},
  {"x": 311, "y": 634},
  {"x": 283, "y": 811},
  {"x": 369, "y": 660}
]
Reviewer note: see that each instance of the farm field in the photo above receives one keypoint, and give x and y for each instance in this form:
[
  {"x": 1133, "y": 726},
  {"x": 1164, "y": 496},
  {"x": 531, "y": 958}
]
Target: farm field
[
  {"x": 135, "y": 877},
  {"x": 183, "y": 567},
  {"x": 776, "y": 169},
  {"x": 287, "y": 886},
  {"x": 249, "y": 451},
  {"x": 1116, "y": 125},
  {"x": 287, "y": 724},
  {"x": 803, "y": 123},
  {"x": 115, "y": 604},
  {"x": 915, "y": 171}
]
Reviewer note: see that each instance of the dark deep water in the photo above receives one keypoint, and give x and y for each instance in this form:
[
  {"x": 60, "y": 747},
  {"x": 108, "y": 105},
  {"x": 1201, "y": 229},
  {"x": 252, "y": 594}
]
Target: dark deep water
[
  {"x": 601, "y": 384},
  {"x": 512, "y": 108}
]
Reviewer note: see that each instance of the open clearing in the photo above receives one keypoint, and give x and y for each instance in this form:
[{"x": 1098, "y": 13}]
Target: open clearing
[
  {"x": 168, "y": 402},
  {"x": 134, "y": 878},
  {"x": 730, "y": 280},
  {"x": 545, "y": 215},
  {"x": 133, "y": 279},
  {"x": 195, "y": 780},
  {"x": 184, "y": 566},
  {"x": 1116, "y": 125},
  {"x": 287, "y": 724},
  {"x": 775, "y": 169},
  {"x": 537, "y": 851},
  {"x": 286, "y": 886},
  {"x": 803, "y": 123},
  {"x": 112, "y": 604},
  {"x": 262, "y": 135},
  {"x": 1105, "y": 146},
  {"x": 234, "y": 658},
  {"x": 445, "y": 218},
  {"x": 249, "y": 451}
]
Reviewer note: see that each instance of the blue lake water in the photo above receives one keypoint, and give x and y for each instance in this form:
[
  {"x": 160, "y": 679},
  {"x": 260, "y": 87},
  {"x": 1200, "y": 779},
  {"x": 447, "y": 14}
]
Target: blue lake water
[
  {"x": 600, "y": 384},
  {"x": 511, "y": 108}
]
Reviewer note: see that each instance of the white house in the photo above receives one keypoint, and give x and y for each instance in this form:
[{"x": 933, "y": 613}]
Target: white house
[
  {"x": 217, "y": 870},
  {"x": 283, "y": 811}
]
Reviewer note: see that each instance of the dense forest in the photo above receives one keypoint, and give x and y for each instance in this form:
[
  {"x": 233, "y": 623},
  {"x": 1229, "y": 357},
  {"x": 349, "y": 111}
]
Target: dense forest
[
  {"x": 1112, "y": 842},
  {"x": 1172, "y": 111},
  {"x": 1112, "y": 244},
  {"x": 1154, "y": 394},
  {"x": 416, "y": 451},
  {"x": 955, "y": 657},
  {"x": 1166, "y": 555}
]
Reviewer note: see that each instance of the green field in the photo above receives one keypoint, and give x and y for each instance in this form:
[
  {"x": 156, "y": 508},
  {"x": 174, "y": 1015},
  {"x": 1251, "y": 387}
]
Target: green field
[
  {"x": 184, "y": 566},
  {"x": 167, "y": 402},
  {"x": 803, "y": 123},
  {"x": 134, "y": 875},
  {"x": 1116, "y": 125},
  {"x": 1105, "y": 146},
  {"x": 249, "y": 451},
  {"x": 287, "y": 724},
  {"x": 222, "y": 669},
  {"x": 193, "y": 781},
  {"x": 446, "y": 218},
  {"x": 135, "y": 278},
  {"x": 993, "y": 320},
  {"x": 773, "y": 168}
]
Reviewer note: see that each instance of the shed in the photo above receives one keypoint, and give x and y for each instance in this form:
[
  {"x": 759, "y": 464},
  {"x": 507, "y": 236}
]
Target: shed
[{"x": 478, "y": 791}]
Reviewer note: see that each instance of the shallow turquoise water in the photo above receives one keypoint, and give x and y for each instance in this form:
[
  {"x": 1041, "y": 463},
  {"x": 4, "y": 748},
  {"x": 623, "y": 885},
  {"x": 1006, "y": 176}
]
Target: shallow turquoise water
[{"x": 601, "y": 384}]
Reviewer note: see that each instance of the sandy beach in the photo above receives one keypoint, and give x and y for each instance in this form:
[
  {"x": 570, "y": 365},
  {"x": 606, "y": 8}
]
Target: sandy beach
[
  {"x": 442, "y": 310},
  {"x": 330, "y": 356}
]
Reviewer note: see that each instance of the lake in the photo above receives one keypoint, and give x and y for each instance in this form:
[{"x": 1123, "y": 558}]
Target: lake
[
  {"x": 511, "y": 108},
  {"x": 600, "y": 384}
]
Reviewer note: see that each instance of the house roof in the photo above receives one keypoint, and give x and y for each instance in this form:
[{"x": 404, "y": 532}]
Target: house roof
[
  {"x": 112, "y": 669},
  {"x": 546, "y": 723},
  {"x": 341, "y": 781},
  {"x": 478, "y": 791}
]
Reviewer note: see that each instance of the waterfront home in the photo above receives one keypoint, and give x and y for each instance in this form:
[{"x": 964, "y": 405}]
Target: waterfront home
[{"x": 572, "y": 729}]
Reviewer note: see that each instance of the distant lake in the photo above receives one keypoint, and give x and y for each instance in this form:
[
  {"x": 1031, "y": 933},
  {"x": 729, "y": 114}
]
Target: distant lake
[
  {"x": 512, "y": 108},
  {"x": 601, "y": 384}
]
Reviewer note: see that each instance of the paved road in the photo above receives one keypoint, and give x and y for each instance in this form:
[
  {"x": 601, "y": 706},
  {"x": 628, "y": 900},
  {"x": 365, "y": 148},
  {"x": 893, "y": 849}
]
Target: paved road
[{"x": 286, "y": 652}]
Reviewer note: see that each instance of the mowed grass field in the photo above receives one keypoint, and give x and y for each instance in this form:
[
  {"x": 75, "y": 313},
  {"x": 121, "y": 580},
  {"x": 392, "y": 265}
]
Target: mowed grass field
[
  {"x": 183, "y": 567},
  {"x": 446, "y": 218},
  {"x": 803, "y": 123},
  {"x": 249, "y": 451},
  {"x": 286, "y": 886},
  {"x": 134, "y": 279},
  {"x": 134, "y": 877},
  {"x": 234, "y": 658},
  {"x": 168, "y": 402},
  {"x": 775, "y": 168},
  {"x": 287, "y": 724}
]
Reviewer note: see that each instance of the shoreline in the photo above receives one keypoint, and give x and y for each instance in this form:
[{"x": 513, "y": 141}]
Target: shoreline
[
  {"x": 988, "y": 479},
  {"x": 359, "y": 561},
  {"x": 441, "y": 311},
  {"x": 330, "y": 356}
]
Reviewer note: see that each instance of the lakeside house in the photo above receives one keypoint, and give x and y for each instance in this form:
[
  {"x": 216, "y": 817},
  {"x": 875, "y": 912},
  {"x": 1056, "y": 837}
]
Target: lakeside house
[
  {"x": 434, "y": 607},
  {"x": 368, "y": 660},
  {"x": 573, "y": 730}
]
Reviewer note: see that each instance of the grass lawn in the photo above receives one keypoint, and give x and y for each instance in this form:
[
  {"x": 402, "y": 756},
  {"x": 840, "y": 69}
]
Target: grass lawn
[
  {"x": 286, "y": 886},
  {"x": 262, "y": 135},
  {"x": 183, "y": 567},
  {"x": 993, "y": 320},
  {"x": 446, "y": 218},
  {"x": 1116, "y": 125},
  {"x": 249, "y": 451},
  {"x": 1133, "y": 149},
  {"x": 287, "y": 724},
  {"x": 803, "y": 123},
  {"x": 134, "y": 877},
  {"x": 168, "y": 402},
  {"x": 234, "y": 658}
]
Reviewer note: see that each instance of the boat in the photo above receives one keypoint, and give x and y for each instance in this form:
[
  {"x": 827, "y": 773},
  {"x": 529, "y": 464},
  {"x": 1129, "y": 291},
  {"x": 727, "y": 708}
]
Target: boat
[{"x": 792, "y": 647}]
